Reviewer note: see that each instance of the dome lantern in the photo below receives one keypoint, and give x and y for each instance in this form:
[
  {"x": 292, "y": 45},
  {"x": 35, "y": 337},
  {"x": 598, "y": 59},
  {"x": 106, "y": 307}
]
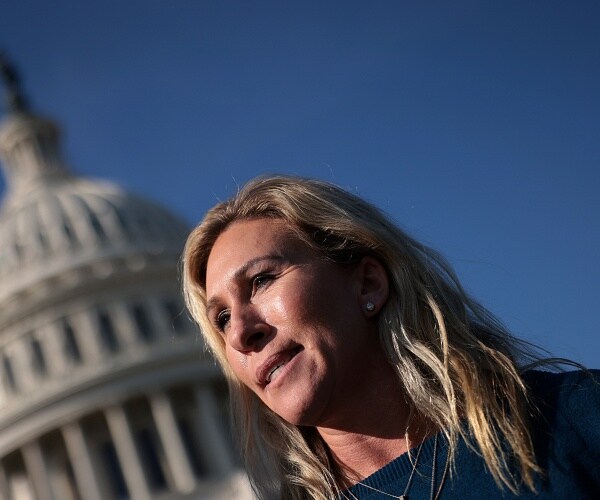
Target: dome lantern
[{"x": 29, "y": 144}]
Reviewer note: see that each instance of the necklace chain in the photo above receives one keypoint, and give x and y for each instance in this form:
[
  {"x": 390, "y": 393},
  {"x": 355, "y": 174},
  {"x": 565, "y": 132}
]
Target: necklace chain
[
  {"x": 433, "y": 465},
  {"x": 404, "y": 496}
]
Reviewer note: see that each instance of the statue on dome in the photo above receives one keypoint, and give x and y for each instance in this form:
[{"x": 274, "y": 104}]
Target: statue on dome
[{"x": 15, "y": 100}]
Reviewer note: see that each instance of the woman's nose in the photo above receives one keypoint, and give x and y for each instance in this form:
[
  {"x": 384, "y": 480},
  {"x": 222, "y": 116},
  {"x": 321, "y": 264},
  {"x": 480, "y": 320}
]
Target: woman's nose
[{"x": 247, "y": 330}]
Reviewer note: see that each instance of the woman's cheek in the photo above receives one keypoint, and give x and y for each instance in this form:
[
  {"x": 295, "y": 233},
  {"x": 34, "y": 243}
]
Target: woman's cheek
[
  {"x": 278, "y": 310},
  {"x": 242, "y": 359},
  {"x": 238, "y": 363}
]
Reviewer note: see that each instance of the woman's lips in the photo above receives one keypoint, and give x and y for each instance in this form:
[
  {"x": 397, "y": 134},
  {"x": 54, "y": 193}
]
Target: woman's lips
[{"x": 271, "y": 368}]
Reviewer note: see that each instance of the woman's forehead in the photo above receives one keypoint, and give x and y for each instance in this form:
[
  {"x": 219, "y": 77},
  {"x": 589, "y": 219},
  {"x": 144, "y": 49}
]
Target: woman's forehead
[
  {"x": 250, "y": 233},
  {"x": 246, "y": 241}
]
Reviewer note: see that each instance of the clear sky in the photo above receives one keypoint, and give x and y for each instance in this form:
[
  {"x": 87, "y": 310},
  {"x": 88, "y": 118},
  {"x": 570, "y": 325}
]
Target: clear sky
[{"x": 474, "y": 124}]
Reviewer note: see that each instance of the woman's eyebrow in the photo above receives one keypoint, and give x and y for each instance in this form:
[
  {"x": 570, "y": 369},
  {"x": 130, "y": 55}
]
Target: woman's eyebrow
[{"x": 243, "y": 269}]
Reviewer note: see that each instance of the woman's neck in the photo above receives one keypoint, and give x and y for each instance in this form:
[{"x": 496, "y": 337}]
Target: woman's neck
[{"x": 375, "y": 426}]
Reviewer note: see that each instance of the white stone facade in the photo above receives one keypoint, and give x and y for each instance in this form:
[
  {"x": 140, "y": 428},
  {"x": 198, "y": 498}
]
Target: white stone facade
[{"x": 106, "y": 391}]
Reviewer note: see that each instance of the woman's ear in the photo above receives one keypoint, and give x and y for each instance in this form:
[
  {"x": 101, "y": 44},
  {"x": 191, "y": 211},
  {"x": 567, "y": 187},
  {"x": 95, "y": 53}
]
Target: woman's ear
[{"x": 374, "y": 285}]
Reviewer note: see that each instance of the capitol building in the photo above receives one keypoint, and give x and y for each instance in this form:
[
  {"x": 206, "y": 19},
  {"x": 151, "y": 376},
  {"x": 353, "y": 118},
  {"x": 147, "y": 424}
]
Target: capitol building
[{"x": 106, "y": 390}]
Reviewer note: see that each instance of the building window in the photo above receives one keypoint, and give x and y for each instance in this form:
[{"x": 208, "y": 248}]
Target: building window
[
  {"x": 113, "y": 471},
  {"x": 43, "y": 240},
  {"x": 9, "y": 374},
  {"x": 70, "y": 346},
  {"x": 68, "y": 232},
  {"x": 190, "y": 444},
  {"x": 108, "y": 335},
  {"x": 149, "y": 454},
  {"x": 142, "y": 322},
  {"x": 123, "y": 221},
  {"x": 18, "y": 250},
  {"x": 38, "y": 361},
  {"x": 144, "y": 222},
  {"x": 176, "y": 314},
  {"x": 96, "y": 226}
]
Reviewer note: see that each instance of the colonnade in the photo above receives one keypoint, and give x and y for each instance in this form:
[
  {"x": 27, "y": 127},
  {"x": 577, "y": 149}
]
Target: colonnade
[
  {"x": 142, "y": 441},
  {"x": 51, "y": 348}
]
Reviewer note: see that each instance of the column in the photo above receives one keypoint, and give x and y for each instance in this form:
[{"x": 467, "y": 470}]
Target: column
[
  {"x": 79, "y": 456},
  {"x": 159, "y": 318},
  {"x": 129, "y": 459},
  {"x": 54, "y": 236},
  {"x": 212, "y": 430},
  {"x": 5, "y": 393},
  {"x": 124, "y": 325},
  {"x": 172, "y": 443},
  {"x": 86, "y": 330},
  {"x": 81, "y": 230},
  {"x": 37, "y": 471},
  {"x": 22, "y": 370},
  {"x": 55, "y": 358}
]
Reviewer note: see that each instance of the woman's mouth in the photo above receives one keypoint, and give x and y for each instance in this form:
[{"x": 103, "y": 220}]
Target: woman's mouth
[{"x": 274, "y": 366}]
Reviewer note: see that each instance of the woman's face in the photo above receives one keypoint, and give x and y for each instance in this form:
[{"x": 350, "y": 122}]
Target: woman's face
[{"x": 295, "y": 327}]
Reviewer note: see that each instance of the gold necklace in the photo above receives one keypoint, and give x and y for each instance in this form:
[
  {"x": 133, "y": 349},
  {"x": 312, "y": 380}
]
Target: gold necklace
[{"x": 404, "y": 495}]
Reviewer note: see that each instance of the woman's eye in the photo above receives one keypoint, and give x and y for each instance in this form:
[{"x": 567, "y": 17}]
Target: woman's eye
[
  {"x": 261, "y": 280},
  {"x": 222, "y": 320}
]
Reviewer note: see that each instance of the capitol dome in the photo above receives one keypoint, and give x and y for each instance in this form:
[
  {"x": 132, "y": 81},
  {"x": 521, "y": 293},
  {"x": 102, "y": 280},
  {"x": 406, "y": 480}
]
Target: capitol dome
[{"x": 107, "y": 391}]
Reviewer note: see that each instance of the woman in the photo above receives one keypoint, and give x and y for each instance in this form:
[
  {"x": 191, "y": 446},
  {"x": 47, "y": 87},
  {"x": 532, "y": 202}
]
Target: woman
[{"x": 359, "y": 368}]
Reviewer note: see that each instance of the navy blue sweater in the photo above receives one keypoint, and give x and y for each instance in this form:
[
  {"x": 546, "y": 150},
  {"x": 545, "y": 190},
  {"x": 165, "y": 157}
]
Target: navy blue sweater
[{"x": 566, "y": 439}]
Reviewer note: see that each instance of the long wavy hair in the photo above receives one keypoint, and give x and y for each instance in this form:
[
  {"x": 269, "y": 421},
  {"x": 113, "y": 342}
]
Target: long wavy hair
[{"x": 458, "y": 364}]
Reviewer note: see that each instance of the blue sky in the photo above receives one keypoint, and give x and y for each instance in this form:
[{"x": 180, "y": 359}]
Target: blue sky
[{"x": 474, "y": 124}]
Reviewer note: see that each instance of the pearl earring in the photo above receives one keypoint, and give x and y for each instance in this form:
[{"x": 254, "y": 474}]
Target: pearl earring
[{"x": 369, "y": 306}]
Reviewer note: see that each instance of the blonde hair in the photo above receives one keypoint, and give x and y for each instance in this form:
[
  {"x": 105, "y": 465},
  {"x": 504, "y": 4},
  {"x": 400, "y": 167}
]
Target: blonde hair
[{"x": 457, "y": 363}]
